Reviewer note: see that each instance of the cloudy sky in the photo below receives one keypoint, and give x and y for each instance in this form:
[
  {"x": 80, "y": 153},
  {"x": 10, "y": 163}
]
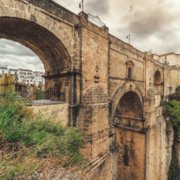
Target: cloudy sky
[
  {"x": 153, "y": 24},
  {"x": 13, "y": 54}
]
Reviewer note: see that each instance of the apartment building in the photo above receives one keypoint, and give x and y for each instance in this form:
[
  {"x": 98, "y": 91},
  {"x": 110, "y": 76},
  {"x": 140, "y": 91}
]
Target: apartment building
[{"x": 24, "y": 76}]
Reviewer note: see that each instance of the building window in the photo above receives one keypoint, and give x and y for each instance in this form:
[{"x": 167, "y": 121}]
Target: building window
[
  {"x": 57, "y": 92},
  {"x": 169, "y": 90},
  {"x": 157, "y": 78},
  {"x": 129, "y": 67},
  {"x": 129, "y": 73}
]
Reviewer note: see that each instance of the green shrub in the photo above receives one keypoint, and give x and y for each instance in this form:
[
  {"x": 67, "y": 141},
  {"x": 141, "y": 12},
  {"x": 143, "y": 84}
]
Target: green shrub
[
  {"x": 178, "y": 89},
  {"x": 40, "y": 95},
  {"x": 173, "y": 109},
  {"x": 43, "y": 138},
  {"x": 173, "y": 170},
  {"x": 11, "y": 114}
]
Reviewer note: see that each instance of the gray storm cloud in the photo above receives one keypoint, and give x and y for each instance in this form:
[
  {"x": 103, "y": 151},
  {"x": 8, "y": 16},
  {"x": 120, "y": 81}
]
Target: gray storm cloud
[
  {"x": 10, "y": 47},
  {"x": 147, "y": 21},
  {"x": 149, "y": 24},
  {"x": 16, "y": 55},
  {"x": 152, "y": 24},
  {"x": 95, "y": 7},
  {"x": 100, "y": 7}
]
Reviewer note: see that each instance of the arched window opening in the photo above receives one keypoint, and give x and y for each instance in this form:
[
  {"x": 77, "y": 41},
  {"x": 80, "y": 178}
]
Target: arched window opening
[
  {"x": 157, "y": 78},
  {"x": 129, "y": 73},
  {"x": 129, "y": 67}
]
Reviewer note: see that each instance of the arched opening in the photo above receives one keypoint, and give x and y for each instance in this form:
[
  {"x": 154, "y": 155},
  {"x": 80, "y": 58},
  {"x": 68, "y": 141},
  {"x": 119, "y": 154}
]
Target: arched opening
[
  {"x": 129, "y": 137},
  {"x": 129, "y": 73},
  {"x": 25, "y": 70},
  {"x": 129, "y": 69},
  {"x": 50, "y": 50},
  {"x": 129, "y": 111},
  {"x": 157, "y": 78},
  {"x": 16, "y": 55}
]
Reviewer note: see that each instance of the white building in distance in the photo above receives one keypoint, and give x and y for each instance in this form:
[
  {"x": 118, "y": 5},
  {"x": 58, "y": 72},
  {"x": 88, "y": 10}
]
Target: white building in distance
[
  {"x": 4, "y": 70},
  {"x": 24, "y": 76}
]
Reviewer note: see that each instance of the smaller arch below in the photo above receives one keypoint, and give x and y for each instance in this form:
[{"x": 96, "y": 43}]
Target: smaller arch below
[
  {"x": 120, "y": 92},
  {"x": 130, "y": 105},
  {"x": 129, "y": 112},
  {"x": 157, "y": 78}
]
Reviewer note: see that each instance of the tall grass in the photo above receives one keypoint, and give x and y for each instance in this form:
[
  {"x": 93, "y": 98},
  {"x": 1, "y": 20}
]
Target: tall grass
[{"x": 36, "y": 134}]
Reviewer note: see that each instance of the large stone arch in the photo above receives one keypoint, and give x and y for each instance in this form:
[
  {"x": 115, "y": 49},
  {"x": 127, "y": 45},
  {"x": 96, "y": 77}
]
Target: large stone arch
[
  {"x": 41, "y": 12},
  {"x": 120, "y": 92},
  {"x": 45, "y": 44},
  {"x": 47, "y": 32},
  {"x": 128, "y": 123}
]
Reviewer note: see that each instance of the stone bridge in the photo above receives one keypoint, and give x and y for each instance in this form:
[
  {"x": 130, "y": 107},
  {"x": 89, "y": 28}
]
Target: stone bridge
[{"x": 113, "y": 90}]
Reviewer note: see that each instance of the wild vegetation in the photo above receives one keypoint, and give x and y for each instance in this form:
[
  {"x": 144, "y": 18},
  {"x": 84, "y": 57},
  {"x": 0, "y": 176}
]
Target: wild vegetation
[
  {"x": 173, "y": 111},
  {"x": 27, "y": 142},
  {"x": 178, "y": 89},
  {"x": 40, "y": 94},
  {"x": 173, "y": 170}
]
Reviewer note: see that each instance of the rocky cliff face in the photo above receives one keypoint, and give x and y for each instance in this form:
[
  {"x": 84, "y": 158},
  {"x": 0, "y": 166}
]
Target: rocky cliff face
[
  {"x": 177, "y": 151},
  {"x": 170, "y": 142}
]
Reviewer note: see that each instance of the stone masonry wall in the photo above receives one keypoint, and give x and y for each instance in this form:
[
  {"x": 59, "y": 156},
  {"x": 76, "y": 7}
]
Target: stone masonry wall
[
  {"x": 93, "y": 119},
  {"x": 120, "y": 55},
  {"x": 57, "y": 113}
]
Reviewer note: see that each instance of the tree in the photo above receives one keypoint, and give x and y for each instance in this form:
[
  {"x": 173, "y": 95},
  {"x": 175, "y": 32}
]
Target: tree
[{"x": 173, "y": 109}]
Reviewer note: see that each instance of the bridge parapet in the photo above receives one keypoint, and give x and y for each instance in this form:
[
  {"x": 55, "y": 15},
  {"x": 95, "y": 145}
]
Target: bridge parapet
[{"x": 55, "y": 9}]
